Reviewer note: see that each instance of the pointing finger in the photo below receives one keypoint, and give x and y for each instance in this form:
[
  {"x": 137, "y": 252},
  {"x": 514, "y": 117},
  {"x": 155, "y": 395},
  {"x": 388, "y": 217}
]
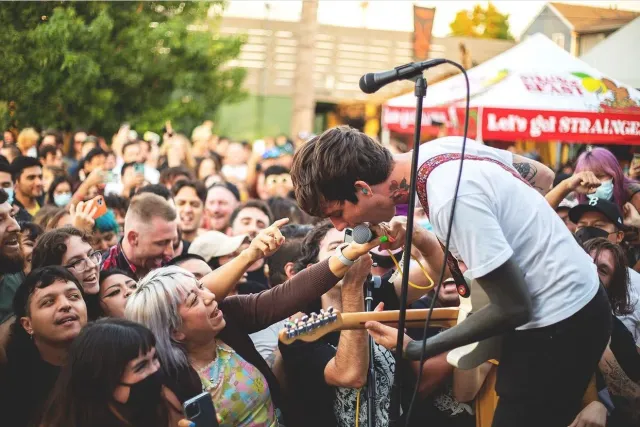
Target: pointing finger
[{"x": 281, "y": 222}]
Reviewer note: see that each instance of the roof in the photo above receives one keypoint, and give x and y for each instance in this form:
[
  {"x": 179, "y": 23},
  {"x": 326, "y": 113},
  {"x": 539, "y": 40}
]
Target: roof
[
  {"x": 611, "y": 56},
  {"x": 587, "y": 19}
]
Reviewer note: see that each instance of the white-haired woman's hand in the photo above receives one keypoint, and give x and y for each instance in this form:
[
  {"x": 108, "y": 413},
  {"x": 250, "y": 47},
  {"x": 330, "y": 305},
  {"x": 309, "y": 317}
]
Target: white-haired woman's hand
[{"x": 267, "y": 242}]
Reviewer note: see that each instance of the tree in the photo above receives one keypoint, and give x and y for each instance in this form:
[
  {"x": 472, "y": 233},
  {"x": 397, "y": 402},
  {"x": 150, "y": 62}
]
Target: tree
[
  {"x": 481, "y": 22},
  {"x": 98, "y": 64}
]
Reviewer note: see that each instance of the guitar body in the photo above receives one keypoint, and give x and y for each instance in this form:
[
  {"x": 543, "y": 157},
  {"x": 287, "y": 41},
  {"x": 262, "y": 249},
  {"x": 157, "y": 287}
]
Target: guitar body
[{"x": 475, "y": 354}]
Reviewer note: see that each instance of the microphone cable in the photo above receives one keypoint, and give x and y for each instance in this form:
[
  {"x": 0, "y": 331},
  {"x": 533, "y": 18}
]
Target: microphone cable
[{"x": 448, "y": 239}]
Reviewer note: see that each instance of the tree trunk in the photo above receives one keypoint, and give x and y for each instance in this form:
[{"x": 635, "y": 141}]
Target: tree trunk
[{"x": 304, "y": 102}]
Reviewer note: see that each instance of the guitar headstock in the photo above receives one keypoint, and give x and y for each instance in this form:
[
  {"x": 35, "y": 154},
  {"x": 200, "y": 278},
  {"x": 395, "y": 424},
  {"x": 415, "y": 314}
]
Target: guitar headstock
[{"x": 312, "y": 327}]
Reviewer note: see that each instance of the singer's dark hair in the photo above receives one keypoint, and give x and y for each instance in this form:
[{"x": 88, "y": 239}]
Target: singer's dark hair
[{"x": 326, "y": 167}]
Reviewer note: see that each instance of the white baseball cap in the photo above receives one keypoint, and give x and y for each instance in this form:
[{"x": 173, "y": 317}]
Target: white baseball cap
[{"x": 213, "y": 244}]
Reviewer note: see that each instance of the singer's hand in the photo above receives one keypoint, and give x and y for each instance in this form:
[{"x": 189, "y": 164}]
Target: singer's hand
[{"x": 395, "y": 230}]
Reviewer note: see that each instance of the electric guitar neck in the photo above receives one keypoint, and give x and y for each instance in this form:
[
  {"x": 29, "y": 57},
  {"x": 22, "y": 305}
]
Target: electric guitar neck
[{"x": 315, "y": 326}]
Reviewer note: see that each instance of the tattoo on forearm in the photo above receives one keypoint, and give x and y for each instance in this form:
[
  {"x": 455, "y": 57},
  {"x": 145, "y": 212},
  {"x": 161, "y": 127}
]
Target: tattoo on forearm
[
  {"x": 399, "y": 192},
  {"x": 528, "y": 172},
  {"x": 620, "y": 385}
]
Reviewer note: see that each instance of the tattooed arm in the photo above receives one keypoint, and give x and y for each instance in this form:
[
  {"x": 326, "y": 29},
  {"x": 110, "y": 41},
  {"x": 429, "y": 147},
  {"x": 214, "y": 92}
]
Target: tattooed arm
[
  {"x": 535, "y": 173},
  {"x": 620, "y": 385}
]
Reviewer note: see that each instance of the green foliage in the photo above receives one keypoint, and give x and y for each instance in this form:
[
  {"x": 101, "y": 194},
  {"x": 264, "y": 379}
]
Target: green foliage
[
  {"x": 481, "y": 22},
  {"x": 98, "y": 64}
]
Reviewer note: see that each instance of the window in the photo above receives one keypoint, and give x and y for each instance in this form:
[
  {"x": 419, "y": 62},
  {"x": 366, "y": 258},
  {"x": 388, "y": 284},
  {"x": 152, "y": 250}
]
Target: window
[{"x": 558, "y": 38}]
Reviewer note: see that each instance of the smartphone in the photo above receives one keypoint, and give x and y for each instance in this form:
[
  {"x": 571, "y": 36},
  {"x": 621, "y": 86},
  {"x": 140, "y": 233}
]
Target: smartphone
[
  {"x": 139, "y": 168},
  {"x": 201, "y": 411},
  {"x": 100, "y": 203}
]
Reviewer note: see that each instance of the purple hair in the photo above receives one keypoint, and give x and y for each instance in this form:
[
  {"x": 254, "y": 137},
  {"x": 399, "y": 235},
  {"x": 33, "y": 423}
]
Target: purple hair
[{"x": 602, "y": 161}]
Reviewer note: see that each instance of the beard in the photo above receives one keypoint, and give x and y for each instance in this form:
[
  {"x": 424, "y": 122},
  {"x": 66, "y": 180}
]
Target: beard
[{"x": 11, "y": 263}]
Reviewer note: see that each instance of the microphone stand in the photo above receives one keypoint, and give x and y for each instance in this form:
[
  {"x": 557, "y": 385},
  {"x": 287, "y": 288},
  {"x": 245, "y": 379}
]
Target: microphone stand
[
  {"x": 396, "y": 394},
  {"x": 371, "y": 376}
]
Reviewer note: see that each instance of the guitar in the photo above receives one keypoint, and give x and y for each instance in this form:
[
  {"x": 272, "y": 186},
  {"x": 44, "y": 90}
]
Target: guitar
[
  {"x": 316, "y": 325},
  {"x": 473, "y": 355}
]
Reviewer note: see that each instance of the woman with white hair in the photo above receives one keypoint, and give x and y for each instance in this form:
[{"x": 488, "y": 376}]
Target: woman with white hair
[{"x": 200, "y": 348}]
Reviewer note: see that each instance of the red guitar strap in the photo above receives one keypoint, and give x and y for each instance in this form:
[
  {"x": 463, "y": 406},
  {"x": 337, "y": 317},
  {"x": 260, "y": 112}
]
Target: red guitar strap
[{"x": 421, "y": 187}]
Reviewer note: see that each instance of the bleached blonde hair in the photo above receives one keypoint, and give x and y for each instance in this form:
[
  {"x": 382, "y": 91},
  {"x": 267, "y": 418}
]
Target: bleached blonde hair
[{"x": 154, "y": 304}]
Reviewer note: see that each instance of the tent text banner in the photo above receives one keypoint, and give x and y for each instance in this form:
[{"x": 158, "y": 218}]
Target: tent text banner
[{"x": 539, "y": 125}]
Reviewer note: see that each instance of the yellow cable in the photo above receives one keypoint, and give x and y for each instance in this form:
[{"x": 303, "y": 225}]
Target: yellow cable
[
  {"x": 357, "y": 406},
  {"x": 422, "y": 288}
]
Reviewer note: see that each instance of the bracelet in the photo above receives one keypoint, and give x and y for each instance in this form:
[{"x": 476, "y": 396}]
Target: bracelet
[{"x": 343, "y": 259}]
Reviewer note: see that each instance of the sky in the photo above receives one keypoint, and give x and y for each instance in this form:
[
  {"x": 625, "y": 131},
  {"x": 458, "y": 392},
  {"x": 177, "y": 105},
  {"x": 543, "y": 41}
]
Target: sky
[{"x": 398, "y": 15}]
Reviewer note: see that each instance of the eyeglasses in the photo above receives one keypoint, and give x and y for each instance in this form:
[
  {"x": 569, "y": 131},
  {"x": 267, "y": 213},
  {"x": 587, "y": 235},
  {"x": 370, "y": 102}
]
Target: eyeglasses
[{"x": 82, "y": 265}]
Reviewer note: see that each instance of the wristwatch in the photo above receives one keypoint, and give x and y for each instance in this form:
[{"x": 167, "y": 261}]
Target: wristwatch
[{"x": 343, "y": 259}]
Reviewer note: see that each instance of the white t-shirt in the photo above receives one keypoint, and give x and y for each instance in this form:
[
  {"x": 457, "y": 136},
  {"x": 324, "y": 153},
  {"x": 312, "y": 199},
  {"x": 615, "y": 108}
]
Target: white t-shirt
[
  {"x": 632, "y": 320},
  {"x": 266, "y": 340},
  {"x": 497, "y": 217}
]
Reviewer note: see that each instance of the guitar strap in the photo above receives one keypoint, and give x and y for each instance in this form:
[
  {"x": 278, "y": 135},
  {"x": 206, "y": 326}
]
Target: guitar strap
[{"x": 421, "y": 187}]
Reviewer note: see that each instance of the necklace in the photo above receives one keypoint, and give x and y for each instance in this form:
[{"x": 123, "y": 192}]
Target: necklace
[{"x": 212, "y": 374}]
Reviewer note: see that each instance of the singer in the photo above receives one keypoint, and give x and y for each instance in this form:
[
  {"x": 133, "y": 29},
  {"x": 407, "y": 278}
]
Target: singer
[{"x": 544, "y": 291}]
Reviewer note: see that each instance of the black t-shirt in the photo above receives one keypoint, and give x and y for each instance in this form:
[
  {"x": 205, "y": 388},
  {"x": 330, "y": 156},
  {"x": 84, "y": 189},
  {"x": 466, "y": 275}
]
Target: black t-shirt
[
  {"x": 25, "y": 388},
  {"x": 440, "y": 408},
  {"x": 258, "y": 276},
  {"x": 318, "y": 404},
  {"x": 251, "y": 287}
]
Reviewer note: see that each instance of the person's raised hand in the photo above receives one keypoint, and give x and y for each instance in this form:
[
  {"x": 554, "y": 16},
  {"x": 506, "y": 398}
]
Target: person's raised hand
[
  {"x": 82, "y": 215},
  {"x": 96, "y": 177},
  {"x": 584, "y": 182},
  {"x": 358, "y": 272},
  {"x": 267, "y": 242},
  {"x": 631, "y": 215},
  {"x": 593, "y": 415},
  {"x": 353, "y": 250}
]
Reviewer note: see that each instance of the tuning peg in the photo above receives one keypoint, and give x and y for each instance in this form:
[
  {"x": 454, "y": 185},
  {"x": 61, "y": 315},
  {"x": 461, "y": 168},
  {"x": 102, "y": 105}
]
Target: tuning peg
[
  {"x": 305, "y": 318},
  {"x": 330, "y": 309}
]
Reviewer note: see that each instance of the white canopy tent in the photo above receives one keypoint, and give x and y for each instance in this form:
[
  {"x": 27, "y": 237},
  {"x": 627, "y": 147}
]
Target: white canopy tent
[{"x": 533, "y": 91}]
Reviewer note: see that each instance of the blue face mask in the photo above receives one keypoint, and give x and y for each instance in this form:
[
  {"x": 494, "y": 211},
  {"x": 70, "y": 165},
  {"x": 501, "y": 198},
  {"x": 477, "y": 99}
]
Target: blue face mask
[
  {"x": 424, "y": 223},
  {"x": 605, "y": 191},
  {"x": 10, "y": 194},
  {"x": 62, "y": 199}
]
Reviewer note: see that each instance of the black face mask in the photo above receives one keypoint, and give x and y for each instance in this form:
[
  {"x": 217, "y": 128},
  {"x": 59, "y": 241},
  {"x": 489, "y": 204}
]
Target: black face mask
[
  {"x": 587, "y": 233},
  {"x": 146, "y": 394}
]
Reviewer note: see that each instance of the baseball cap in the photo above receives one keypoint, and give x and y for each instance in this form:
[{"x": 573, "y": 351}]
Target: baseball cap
[
  {"x": 213, "y": 244},
  {"x": 595, "y": 204}
]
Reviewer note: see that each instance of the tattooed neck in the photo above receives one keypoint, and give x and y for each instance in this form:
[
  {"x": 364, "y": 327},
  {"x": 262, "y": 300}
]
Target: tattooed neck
[{"x": 399, "y": 191}]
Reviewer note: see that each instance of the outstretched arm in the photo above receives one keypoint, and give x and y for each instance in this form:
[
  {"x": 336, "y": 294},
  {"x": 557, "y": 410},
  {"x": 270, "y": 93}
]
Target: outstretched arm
[
  {"x": 509, "y": 307},
  {"x": 538, "y": 175}
]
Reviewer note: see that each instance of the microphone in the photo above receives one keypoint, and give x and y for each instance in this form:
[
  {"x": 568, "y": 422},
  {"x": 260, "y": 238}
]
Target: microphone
[
  {"x": 362, "y": 234},
  {"x": 372, "y": 82}
]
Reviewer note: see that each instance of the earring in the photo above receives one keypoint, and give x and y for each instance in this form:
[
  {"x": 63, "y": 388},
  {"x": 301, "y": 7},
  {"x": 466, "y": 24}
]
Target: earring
[{"x": 365, "y": 191}]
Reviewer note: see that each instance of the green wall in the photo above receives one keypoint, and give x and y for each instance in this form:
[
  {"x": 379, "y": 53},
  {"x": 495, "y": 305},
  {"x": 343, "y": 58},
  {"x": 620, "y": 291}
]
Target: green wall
[{"x": 240, "y": 121}]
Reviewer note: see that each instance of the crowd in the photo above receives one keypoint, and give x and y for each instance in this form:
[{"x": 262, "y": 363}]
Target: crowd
[{"x": 138, "y": 271}]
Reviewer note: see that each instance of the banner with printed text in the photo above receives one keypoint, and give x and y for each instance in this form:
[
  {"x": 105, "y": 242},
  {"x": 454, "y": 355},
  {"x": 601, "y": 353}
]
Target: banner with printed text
[{"x": 539, "y": 125}]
